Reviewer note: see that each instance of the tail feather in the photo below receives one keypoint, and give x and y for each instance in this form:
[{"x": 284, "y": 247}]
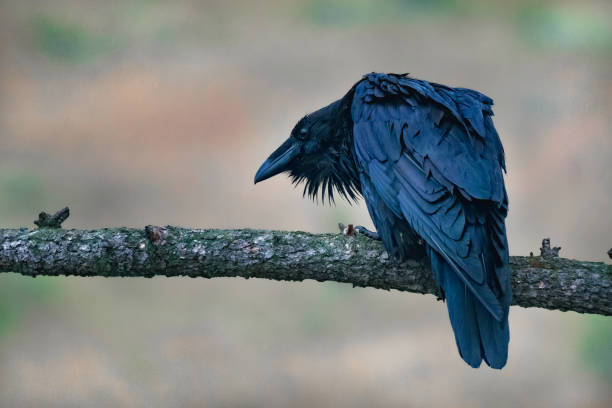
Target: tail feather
[
  {"x": 494, "y": 337},
  {"x": 479, "y": 336}
]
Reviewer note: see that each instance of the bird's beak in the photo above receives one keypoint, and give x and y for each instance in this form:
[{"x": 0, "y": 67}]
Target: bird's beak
[{"x": 278, "y": 162}]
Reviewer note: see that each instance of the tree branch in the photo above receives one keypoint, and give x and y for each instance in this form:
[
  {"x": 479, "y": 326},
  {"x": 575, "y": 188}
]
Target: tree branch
[{"x": 551, "y": 283}]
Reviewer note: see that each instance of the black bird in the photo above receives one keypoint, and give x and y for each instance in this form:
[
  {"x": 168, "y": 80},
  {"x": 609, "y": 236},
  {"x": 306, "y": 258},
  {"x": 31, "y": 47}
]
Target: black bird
[{"x": 428, "y": 161}]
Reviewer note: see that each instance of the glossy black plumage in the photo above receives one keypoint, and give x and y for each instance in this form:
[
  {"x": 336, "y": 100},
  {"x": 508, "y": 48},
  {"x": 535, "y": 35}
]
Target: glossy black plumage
[{"x": 428, "y": 161}]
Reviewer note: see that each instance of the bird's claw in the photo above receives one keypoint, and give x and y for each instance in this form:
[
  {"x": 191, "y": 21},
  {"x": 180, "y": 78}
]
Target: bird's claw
[
  {"x": 350, "y": 230},
  {"x": 370, "y": 234}
]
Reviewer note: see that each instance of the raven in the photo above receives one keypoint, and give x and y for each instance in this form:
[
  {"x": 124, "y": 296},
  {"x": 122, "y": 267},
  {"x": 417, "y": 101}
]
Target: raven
[{"x": 428, "y": 161}]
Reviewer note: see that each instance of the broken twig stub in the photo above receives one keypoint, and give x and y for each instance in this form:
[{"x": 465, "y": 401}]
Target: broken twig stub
[{"x": 46, "y": 220}]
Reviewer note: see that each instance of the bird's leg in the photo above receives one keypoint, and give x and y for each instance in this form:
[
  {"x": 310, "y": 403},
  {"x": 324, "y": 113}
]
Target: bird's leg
[{"x": 370, "y": 234}]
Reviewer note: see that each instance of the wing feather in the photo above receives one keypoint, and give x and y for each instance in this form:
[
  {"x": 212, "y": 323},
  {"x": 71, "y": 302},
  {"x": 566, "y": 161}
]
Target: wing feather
[{"x": 435, "y": 162}]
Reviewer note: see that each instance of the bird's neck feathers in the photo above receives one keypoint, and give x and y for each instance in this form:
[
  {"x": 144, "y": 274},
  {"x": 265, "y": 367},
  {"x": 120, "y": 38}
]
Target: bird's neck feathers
[{"x": 334, "y": 168}]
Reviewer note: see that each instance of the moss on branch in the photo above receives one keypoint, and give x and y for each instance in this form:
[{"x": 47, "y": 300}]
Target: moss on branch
[{"x": 552, "y": 283}]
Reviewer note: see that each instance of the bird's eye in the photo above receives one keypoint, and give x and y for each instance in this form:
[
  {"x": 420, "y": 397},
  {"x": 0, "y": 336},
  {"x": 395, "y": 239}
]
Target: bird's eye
[{"x": 303, "y": 132}]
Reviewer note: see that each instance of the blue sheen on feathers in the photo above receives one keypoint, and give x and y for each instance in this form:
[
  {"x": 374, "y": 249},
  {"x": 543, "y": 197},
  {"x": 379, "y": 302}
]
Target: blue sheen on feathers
[{"x": 428, "y": 162}]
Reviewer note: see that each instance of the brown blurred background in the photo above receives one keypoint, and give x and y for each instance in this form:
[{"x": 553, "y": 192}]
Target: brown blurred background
[{"x": 149, "y": 112}]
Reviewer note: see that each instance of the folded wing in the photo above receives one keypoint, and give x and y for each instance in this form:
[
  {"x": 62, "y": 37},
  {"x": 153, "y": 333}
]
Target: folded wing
[{"x": 432, "y": 155}]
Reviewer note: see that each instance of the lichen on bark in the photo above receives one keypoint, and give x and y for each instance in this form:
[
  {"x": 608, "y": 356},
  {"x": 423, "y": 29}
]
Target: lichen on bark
[{"x": 552, "y": 283}]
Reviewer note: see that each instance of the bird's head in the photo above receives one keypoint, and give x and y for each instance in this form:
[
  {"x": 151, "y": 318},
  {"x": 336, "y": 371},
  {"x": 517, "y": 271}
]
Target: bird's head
[{"x": 318, "y": 152}]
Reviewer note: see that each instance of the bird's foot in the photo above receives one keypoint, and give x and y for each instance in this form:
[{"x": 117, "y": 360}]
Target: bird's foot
[
  {"x": 370, "y": 234},
  {"x": 351, "y": 231}
]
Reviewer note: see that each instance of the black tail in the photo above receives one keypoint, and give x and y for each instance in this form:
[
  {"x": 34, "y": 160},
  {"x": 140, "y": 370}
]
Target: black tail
[{"x": 478, "y": 334}]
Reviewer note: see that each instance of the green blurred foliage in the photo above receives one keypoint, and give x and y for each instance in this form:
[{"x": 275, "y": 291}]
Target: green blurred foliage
[
  {"x": 596, "y": 347},
  {"x": 541, "y": 24},
  {"x": 347, "y": 12},
  {"x": 320, "y": 317},
  {"x": 65, "y": 41},
  {"x": 21, "y": 193},
  {"x": 565, "y": 26},
  {"x": 19, "y": 295}
]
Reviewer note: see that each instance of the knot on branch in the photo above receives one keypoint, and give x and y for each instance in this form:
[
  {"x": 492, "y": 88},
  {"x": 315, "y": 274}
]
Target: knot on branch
[
  {"x": 156, "y": 235},
  {"x": 46, "y": 220},
  {"x": 546, "y": 251}
]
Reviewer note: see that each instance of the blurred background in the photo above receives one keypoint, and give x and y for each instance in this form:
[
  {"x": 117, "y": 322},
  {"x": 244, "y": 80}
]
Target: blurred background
[{"x": 148, "y": 112}]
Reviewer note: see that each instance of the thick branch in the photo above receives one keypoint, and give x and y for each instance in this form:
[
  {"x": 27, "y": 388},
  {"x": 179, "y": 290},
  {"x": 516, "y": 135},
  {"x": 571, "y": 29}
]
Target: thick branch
[{"x": 557, "y": 283}]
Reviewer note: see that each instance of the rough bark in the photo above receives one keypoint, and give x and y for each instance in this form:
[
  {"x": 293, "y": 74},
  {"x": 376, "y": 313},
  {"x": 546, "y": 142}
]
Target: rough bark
[{"x": 552, "y": 283}]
